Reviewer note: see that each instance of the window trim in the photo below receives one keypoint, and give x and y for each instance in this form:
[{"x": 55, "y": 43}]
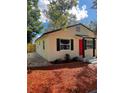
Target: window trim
[
  {"x": 89, "y": 44},
  {"x": 60, "y": 44},
  {"x": 43, "y": 45}
]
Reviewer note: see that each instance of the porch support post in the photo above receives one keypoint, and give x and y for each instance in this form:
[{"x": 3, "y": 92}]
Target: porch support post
[{"x": 94, "y": 46}]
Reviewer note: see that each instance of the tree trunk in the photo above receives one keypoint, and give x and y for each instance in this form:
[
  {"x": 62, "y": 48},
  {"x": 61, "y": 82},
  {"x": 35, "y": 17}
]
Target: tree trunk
[{"x": 29, "y": 37}]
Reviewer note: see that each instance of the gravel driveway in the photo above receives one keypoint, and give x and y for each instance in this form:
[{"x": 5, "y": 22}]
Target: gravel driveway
[{"x": 35, "y": 60}]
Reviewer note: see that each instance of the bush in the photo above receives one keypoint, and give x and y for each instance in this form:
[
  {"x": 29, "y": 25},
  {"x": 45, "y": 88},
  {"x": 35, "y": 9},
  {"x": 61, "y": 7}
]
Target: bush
[
  {"x": 57, "y": 61},
  {"x": 31, "y": 48},
  {"x": 86, "y": 62},
  {"x": 75, "y": 59},
  {"x": 67, "y": 57}
]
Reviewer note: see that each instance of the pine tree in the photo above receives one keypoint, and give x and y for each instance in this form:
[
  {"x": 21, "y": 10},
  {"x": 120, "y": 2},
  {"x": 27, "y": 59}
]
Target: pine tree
[{"x": 33, "y": 19}]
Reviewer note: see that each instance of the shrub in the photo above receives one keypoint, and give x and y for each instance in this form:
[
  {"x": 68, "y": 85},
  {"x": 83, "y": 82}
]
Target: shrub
[
  {"x": 31, "y": 48},
  {"x": 75, "y": 59},
  {"x": 87, "y": 62},
  {"x": 67, "y": 57},
  {"x": 57, "y": 61}
]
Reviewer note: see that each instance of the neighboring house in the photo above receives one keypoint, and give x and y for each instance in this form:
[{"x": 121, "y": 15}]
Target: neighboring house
[{"x": 76, "y": 40}]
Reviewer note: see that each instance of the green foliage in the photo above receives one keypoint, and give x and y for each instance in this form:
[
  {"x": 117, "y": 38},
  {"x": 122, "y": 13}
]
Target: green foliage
[
  {"x": 93, "y": 26},
  {"x": 58, "y": 13},
  {"x": 33, "y": 22},
  {"x": 31, "y": 48},
  {"x": 67, "y": 57}
]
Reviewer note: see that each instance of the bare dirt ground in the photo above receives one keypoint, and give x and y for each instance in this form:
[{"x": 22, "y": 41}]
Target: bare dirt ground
[{"x": 64, "y": 78}]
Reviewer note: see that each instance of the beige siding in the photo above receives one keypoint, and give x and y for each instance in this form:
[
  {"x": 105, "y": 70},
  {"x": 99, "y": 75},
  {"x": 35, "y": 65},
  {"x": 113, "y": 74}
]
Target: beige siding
[
  {"x": 88, "y": 52},
  {"x": 39, "y": 47},
  {"x": 50, "y": 53},
  {"x": 53, "y": 53},
  {"x": 85, "y": 31}
]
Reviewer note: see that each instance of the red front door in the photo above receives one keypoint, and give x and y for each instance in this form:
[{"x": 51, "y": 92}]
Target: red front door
[{"x": 81, "y": 48}]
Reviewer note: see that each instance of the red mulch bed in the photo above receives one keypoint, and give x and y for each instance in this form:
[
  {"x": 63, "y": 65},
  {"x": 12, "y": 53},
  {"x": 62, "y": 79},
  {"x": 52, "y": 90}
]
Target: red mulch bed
[{"x": 64, "y": 78}]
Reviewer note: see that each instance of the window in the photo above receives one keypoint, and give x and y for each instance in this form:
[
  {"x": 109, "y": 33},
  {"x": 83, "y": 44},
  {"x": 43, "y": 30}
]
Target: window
[
  {"x": 38, "y": 42},
  {"x": 89, "y": 44},
  {"x": 64, "y": 44},
  {"x": 43, "y": 44}
]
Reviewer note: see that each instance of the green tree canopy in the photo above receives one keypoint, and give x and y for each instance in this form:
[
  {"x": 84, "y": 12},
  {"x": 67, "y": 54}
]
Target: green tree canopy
[
  {"x": 93, "y": 26},
  {"x": 58, "y": 12},
  {"x": 33, "y": 19}
]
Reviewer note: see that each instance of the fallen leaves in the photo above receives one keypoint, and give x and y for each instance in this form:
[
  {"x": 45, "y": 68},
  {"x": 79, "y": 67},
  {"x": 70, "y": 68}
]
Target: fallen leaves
[{"x": 65, "y": 80}]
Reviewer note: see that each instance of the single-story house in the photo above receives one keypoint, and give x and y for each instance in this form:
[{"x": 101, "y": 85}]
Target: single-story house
[{"x": 76, "y": 40}]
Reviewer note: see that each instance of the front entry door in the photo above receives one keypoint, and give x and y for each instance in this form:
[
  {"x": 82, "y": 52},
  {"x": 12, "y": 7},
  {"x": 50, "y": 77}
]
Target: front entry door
[{"x": 81, "y": 47}]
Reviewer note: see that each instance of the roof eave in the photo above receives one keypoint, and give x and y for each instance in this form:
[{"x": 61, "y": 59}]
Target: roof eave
[{"x": 62, "y": 28}]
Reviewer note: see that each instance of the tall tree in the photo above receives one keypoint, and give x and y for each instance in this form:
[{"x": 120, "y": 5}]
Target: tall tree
[
  {"x": 94, "y": 6},
  {"x": 58, "y": 12},
  {"x": 93, "y": 26},
  {"x": 33, "y": 19}
]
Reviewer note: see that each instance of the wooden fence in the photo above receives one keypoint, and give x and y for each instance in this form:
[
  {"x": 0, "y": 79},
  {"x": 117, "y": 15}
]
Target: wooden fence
[{"x": 31, "y": 48}]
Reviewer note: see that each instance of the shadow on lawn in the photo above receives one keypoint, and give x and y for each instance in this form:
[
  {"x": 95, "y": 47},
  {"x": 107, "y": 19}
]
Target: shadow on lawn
[{"x": 60, "y": 66}]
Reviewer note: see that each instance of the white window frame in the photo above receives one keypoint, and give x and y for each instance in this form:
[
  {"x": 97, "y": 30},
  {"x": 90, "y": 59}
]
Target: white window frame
[
  {"x": 65, "y": 44},
  {"x": 89, "y": 43}
]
